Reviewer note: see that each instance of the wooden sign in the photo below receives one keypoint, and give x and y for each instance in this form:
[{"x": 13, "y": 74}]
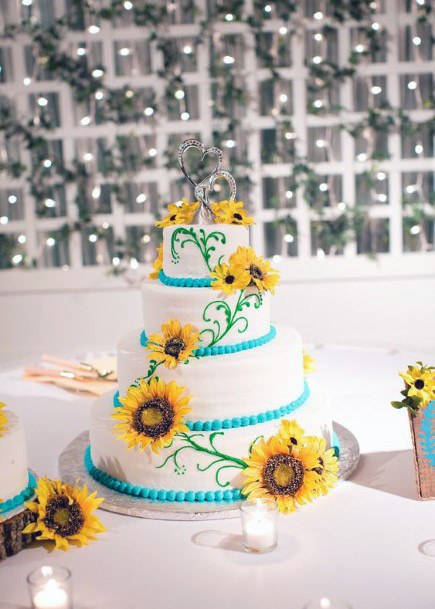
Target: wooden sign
[
  {"x": 12, "y": 539},
  {"x": 423, "y": 440}
]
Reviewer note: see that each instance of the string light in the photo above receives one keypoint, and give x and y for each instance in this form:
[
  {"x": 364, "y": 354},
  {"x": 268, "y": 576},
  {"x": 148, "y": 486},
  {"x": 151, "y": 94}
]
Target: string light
[
  {"x": 416, "y": 40},
  {"x": 47, "y": 163},
  {"x": 17, "y": 258},
  {"x": 318, "y": 103},
  {"x": 85, "y": 121},
  {"x": 116, "y": 261},
  {"x": 27, "y": 81},
  {"x": 134, "y": 264},
  {"x": 229, "y": 17},
  {"x": 93, "y": 29},
  {"x": 185, "y": 116},
  {"x": 93, "y": 238},
  {"x": 26, "y": 2},
  {"x": 4, "y": 220},
  {"x": 124, "y": 52},
  {"x": 276, "y": 258},
  {"x": 360, "y": 48},
  {"x": 318, "y": 15},
  {"x": 22, "y": 239},
  {"x": 187, "y": 49},
  {"x": 283, "y": 30},
  {"x": 179, "y": 94},
  {"x": 99, "y": 95},
  {"x": 382, "y": 198},
  {"x": 320, "y": 253},
  {"x": 320, "y": 143},
  {"x": 415, "y": 230},
  {"x": 97, "y": 73},
  {"x": 361, "y": 157},
  {"x": 289, "y": 194},
  {"x": 421, "y": 2},
  {"x": 288, "y": 238},
  {"x": 141, "y": 198},
  {"x": 146, "y": 238},
  {"x": 128, "y": 5},
  {"x": 42, "y": 101},
  {"x": 418, "y": 148},
  {"x": 375, "y": 26},
  {"x": 96, "y": 192},
  {"x": 129, "y": 93},
  {"x": 341, "y": 206},
  {"x": 323, "y": 187},
  {"x": 267, "y": 8},
  {"x": 317, "y": 59},
  {"x": 228, "y": 60},
  {"x": 381, "y": 176},
  {"x": 148, "y": 111},
  {"x": 50, "y": 203},
  {"x": 283, "y": 98},
  {"x": 290, "y": 135},
  {"x": 318, "y": 37},
  {"x": 411, "y": 188},
  {"x": 81, "y": 51},
  {"x": 152, "y": 152},
  {"x": 105, "y": 225},
  {"x": 50, "y": 241},
  {"x": 88, "y": 156},
  {"x": 412, "y": 85},
  {"x": 376, "y": 90},
  {"x": 230, "y": 143},
  {"x": 12, "y": 199}
]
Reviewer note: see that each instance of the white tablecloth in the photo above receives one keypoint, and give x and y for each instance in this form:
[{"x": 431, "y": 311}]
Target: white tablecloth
[{"x": 363, "y": 543}]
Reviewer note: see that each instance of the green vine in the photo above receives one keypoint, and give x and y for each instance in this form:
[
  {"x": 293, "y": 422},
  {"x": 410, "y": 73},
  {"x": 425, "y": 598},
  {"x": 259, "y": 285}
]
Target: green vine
[
  {"x": 191, "y": 444},
  {"x": 201, "y": 242},
  {"x": 231, "y": 318}
]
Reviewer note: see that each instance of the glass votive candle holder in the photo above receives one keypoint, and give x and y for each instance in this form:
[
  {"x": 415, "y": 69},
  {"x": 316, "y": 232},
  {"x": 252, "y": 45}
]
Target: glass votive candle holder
[
  {"x": 259, "y": 525},
  {"x": 50, "y": 588}
]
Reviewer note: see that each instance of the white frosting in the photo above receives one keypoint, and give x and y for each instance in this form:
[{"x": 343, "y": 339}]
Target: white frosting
[
  {"x": 226, "y": 386},
  {"x": 161, "y": 303},
  {"x": 13, "y": 458},
  {"x": 140, "y": 468},
  {"x": 187, "y": 261}
]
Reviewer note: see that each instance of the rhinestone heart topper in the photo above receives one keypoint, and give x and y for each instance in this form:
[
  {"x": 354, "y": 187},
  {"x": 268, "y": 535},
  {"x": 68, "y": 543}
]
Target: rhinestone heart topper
[{"x": 205, "y": 214}]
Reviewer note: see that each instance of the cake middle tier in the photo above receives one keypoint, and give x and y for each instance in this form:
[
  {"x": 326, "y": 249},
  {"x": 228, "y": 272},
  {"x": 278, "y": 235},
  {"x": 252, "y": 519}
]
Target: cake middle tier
[
  {"x": 240, "y": 384},
  {"x": 221, "y": 319}
]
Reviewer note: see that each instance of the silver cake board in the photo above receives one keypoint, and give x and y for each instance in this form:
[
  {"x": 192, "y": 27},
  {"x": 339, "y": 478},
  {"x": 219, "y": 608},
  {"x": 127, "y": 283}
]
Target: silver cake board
[{"x": 72, "y": 471}]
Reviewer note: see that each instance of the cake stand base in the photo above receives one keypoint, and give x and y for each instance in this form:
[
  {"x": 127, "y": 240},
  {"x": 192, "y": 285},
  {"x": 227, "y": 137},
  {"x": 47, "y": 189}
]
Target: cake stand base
[{"x": 72, "y": 470}]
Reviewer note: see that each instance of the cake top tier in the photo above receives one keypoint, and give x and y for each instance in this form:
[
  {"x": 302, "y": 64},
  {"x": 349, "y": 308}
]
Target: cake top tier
[{"x": 195, "y": 250}]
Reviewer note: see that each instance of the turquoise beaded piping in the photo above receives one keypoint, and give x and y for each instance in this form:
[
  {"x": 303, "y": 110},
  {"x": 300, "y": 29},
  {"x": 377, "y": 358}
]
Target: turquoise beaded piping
[
  {"x": 185, "y": 282},
  {"x": 235, "y": 422},
  {"x": 226, "y": 349},
  {"x": 157, "y": 494},
  {"x": 19, "y": 499}
]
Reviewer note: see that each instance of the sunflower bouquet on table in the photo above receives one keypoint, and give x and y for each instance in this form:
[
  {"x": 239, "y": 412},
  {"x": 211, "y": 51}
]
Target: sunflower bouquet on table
[{"x": 419, "y": 387}]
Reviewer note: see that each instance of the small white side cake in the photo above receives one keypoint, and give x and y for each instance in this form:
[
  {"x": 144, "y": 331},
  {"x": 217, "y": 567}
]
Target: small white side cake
[{"x": 13, "y": 458}]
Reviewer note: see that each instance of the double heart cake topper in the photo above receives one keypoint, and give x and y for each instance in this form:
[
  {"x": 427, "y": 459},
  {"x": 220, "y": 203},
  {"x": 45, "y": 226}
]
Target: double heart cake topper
[{"x": 205, "y": 214}]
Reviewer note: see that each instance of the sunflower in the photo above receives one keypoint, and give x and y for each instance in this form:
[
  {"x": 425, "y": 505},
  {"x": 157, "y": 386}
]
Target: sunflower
[
  {"x": 275, "y": 471},
  {"x": 291, "y": 432},
  {"x": 309, "y": 363},
  {"x": 262, "y": 274},
  {"x": 158, "y": 263},
  {"x": 327, "y": 468},
  {"x": 231, "y": 212},
  {"x": 151, "y": 414},
  {"x": 3, "y": 418},
  {"x": 179, "y": 214},
  {"x": 420, "y": 383},
  {"x": 228, "y": 279},
  {"x": 175, "y": 346},
  {"x": 64, "y": 514}
]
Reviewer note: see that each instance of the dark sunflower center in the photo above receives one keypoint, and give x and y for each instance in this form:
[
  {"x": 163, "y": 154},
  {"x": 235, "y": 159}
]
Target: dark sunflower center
[
  {"x": 255, "y": 272},
  {"x": 63, "y": 518},
  {"x": 174, "y": 346},
  {"x": 173, "y": 217},
  {"x": 283, "y": 475},
  {"x": 230, "y": 279},
  {"x": 419, "y": 384},
  {"x": 238, "y": 216},
  {"x": 154, "y": 418}
]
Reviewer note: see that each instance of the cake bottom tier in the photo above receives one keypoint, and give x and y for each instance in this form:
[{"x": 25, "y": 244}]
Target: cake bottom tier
[
  {"x": 194, "y": 470},
  {"x": 14, "y": 477}
]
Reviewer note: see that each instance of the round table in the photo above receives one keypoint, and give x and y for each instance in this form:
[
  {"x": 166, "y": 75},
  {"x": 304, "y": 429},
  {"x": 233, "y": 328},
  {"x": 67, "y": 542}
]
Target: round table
[{"x": 364, "y": 543}]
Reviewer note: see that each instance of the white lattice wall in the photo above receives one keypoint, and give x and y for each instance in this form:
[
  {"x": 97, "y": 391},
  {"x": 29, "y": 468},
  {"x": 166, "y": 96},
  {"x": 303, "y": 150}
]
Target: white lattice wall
[{"x": 130, "y": 60}]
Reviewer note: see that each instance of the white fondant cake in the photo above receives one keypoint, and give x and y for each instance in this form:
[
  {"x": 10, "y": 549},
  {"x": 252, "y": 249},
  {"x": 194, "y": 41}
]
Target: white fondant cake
[
  {"x": 13, "y": 458},
  {"x": 243, "y": 378}
]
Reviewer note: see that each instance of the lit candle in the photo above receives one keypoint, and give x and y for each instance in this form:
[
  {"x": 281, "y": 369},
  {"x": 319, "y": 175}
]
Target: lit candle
[
  {"x": 259, "y": 525},
  {"x": 51, "y": 596}
]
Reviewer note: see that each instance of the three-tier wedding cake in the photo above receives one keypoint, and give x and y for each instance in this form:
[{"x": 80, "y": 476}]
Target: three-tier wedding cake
[{"x": 208, "y": 378}]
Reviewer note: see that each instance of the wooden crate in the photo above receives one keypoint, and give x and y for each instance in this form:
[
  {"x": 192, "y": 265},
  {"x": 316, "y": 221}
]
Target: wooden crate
[{"x": 12, "y": 539}]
